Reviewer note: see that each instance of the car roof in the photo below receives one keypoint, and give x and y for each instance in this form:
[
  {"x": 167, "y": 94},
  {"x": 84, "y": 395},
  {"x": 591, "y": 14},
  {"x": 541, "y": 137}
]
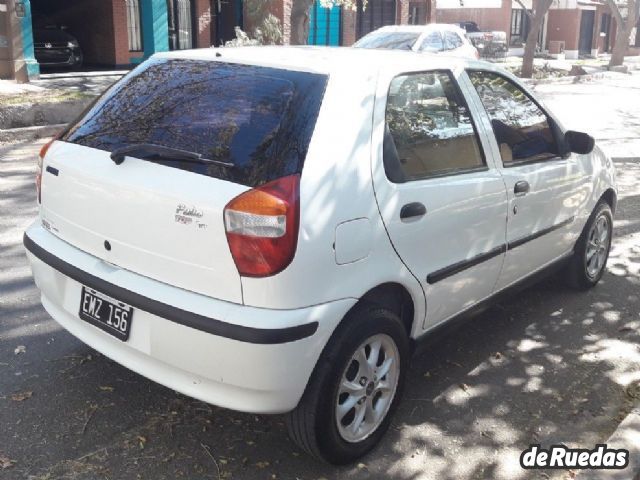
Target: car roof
[{"x": 325, "y": 60}]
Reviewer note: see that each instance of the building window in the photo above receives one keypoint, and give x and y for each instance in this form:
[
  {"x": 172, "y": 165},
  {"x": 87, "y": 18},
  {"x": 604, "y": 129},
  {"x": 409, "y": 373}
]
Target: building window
[
  {"x": 134, "y": 27},
  {"x": 519, "y": 27}
]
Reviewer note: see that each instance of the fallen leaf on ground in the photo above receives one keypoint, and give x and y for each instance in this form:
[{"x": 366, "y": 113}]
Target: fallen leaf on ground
[
  {"x": 142, "y": 441},
  {"x": 6, "y": 462},
  {"x": 106, "y": 388},
  {"x": 262, "y": 464},
  {"x": 361, "y": 466},
  {"x": 20, "y": 396},
  {"x": 20, "y": 349}
]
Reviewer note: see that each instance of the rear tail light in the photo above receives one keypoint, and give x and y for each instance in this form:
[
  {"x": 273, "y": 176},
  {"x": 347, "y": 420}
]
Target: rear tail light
[
  {"x": 488, "y": 37},
  {"x": 43, "y": 153},
  {"x": 262, "y": 227}
]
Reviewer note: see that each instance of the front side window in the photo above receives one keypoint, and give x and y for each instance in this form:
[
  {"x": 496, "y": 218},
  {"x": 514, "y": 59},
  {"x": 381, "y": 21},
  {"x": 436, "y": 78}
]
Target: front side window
[
  {"x": 432, "y": 43},
  {"x": 428, "y": 129},
  {"x": 522, "y": 129}
]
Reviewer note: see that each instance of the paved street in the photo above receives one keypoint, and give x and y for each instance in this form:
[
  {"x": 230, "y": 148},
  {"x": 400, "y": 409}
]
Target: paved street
[{"x": 549, "y": 365}]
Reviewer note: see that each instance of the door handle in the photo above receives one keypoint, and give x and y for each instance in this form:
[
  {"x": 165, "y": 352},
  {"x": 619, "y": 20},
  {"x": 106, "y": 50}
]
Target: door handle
[
  {"x": 412, "y": 210},
  {"x": 521, "y": 188}
]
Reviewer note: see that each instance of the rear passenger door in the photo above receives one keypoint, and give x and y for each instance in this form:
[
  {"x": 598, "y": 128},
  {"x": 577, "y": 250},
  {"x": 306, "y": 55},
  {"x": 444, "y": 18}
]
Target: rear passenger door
[
  {"x": 545, "y": 183},
  {"x": 443, "y": 204}
]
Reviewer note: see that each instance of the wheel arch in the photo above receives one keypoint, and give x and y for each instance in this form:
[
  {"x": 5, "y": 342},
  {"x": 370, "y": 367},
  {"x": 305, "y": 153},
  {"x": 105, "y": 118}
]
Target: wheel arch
[
  {"x": 392, "y": 296},
  {"x": 611, "y": 198}
]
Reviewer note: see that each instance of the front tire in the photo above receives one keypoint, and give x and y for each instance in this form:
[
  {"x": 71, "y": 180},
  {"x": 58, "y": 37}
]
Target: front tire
[
  {"x": 354, "y": 389},
  {"x": 592, "y": 249}
]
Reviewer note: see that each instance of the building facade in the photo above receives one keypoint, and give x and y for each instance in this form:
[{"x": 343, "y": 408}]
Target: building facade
[{"x": 571, "y": 27}]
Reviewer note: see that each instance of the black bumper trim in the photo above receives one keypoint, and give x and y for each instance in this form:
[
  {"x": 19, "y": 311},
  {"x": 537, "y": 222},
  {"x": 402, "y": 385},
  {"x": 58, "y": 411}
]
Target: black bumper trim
[{"x": 262, "y": 336}]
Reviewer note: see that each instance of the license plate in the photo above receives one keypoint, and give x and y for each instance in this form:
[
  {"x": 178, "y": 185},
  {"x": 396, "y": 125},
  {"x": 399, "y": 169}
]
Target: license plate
[{"x": 106, "y": 313}]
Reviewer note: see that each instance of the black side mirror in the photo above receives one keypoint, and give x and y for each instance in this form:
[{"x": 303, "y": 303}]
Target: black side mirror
[{"x": 579, "y": 142}]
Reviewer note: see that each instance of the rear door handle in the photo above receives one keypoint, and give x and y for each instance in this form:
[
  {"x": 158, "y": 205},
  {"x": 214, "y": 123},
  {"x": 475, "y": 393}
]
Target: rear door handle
[
  {"x": 412, "y": 210},
  {"x": 521, "y": 188}
]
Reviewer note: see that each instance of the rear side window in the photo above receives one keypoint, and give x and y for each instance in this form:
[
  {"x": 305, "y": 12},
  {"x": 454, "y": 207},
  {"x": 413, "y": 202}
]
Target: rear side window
[
  {"x": 523, "y": 131},
  {"x": 432, "y": 43},
  {"x": 452, "y": 40},
  {"x": 428, "y": 129},
  {"x": 258, "y": 119}
]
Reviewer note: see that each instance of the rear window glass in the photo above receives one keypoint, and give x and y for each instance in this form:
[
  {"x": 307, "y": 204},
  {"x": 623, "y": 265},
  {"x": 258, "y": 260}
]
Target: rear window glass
[
  {"x": 388, "y": 40},
  {"x": 259, "y": 119}
]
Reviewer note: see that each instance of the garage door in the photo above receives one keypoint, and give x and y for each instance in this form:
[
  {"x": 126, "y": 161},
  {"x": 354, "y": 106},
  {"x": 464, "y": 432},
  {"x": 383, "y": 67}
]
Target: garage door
[{"x": 377, "y": 13}]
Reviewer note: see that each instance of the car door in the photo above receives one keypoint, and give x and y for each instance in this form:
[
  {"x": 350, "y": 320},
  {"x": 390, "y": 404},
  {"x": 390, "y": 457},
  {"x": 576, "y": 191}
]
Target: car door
[
  {"x": 442, "y": 201},
  {"x": 544, "y": 182}
]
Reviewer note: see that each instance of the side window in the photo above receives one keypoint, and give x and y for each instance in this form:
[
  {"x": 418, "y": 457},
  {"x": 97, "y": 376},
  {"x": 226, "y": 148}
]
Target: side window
[
  {"x": 432, "y": 43},
  {"x": 452, "y": 41},
  {"x": 523, "y": 131},
  {"x": 428, "y": 129}
]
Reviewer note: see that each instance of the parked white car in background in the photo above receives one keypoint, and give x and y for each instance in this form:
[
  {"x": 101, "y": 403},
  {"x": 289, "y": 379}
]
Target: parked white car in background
[
  {"x": 431, "y": 38},
  {"x": 271, "y": 229}
]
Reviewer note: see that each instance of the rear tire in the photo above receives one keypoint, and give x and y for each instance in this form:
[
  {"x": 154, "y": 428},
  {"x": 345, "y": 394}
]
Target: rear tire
[
  {"x": 592, "y": 249},
  {"x": 347, "y": 405}
]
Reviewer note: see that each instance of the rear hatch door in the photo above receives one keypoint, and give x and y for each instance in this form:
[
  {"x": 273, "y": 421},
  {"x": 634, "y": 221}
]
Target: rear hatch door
[{"x": 162, "y": 216}]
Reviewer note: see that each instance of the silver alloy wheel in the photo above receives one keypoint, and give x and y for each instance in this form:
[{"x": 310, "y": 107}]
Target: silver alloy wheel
[
  {"x": 597, "y": 246},
  {"x": 367, "y": 388}
]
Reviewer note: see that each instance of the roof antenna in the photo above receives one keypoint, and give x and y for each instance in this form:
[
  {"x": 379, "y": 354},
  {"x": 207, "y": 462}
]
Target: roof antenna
[{"x": 218, "y": 54}]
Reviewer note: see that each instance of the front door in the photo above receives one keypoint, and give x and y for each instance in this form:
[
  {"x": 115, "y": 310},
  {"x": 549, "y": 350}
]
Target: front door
[
  {"x": 228, "y": 17},
  {"x": 586, "y": 32},
  {"x": 443, "y": 203},
  {"x": 545, "y": 185},
  {"x": 373, "y": 14},
  {"x": 180, "y": 19}
]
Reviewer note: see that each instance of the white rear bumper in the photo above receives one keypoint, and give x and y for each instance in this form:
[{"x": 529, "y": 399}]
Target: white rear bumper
[{"x": 234, "y": 356}]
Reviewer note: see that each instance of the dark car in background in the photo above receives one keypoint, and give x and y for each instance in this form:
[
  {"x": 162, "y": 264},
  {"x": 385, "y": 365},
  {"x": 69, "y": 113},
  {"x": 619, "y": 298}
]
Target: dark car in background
[{"x": 56, "y": 48}]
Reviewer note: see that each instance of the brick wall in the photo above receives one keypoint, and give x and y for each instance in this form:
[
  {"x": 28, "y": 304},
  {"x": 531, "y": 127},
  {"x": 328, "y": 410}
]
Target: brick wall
[
  {"x": 564, "y": 24},
  {"x": 348, "y": 27},
  {"x": 487, "y": 18},
  {"x": 203, "y": 23}
]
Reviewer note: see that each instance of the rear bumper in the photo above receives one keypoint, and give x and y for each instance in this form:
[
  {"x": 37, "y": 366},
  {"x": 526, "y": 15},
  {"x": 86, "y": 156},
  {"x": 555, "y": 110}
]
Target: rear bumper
[{"x": 202, "y": 347}]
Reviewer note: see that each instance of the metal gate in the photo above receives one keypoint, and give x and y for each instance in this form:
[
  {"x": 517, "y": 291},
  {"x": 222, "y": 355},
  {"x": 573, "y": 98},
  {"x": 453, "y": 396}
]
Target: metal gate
[{"x": 377, "y": 13}]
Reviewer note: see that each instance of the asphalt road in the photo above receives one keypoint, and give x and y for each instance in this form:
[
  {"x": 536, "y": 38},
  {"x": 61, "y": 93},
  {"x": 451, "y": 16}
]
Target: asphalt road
[{"x": 548, "y": 365}]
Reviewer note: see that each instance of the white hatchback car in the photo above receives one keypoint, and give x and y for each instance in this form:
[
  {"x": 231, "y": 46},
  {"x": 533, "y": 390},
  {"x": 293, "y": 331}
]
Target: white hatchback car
[
  {"x": 431, "y": 38},
  {"x": 271, "y": 229}
]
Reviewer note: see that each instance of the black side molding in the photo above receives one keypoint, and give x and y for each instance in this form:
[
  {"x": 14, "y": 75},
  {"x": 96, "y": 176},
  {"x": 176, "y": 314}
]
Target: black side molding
[
  {"x": 52, "y": 170},
  {"x": 446, "y": 272},
  {"x": 539, "y": 233},
  {"x": 262, "y": 336}
]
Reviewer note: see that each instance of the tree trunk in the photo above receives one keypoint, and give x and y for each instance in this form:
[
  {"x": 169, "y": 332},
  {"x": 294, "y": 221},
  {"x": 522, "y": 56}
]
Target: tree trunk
[
  {"x": 532, "y": 39},
  {"x": 623, "y": 31},
  {"x": 300, "y": 21}
]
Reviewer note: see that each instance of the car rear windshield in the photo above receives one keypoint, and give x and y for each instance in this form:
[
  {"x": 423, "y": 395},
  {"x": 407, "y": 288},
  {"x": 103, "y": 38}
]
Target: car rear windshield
[
  {"x": 388, "y": 40},
  {"x": 258, "y": 119}
]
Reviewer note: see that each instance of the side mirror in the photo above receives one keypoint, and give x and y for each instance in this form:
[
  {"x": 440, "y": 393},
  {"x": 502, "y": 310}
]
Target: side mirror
[{"x": 578, "y": 142}]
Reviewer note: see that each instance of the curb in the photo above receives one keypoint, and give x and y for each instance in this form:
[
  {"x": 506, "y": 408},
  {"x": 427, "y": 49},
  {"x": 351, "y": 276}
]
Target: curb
[
  {"x": 30, "y": 133},
  {"x": 626, "y": 436}
]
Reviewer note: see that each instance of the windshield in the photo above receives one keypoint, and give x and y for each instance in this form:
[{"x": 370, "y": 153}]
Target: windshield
[
  {"x": 259, "y": 120},
  {"x": 390, "y": 40}
]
